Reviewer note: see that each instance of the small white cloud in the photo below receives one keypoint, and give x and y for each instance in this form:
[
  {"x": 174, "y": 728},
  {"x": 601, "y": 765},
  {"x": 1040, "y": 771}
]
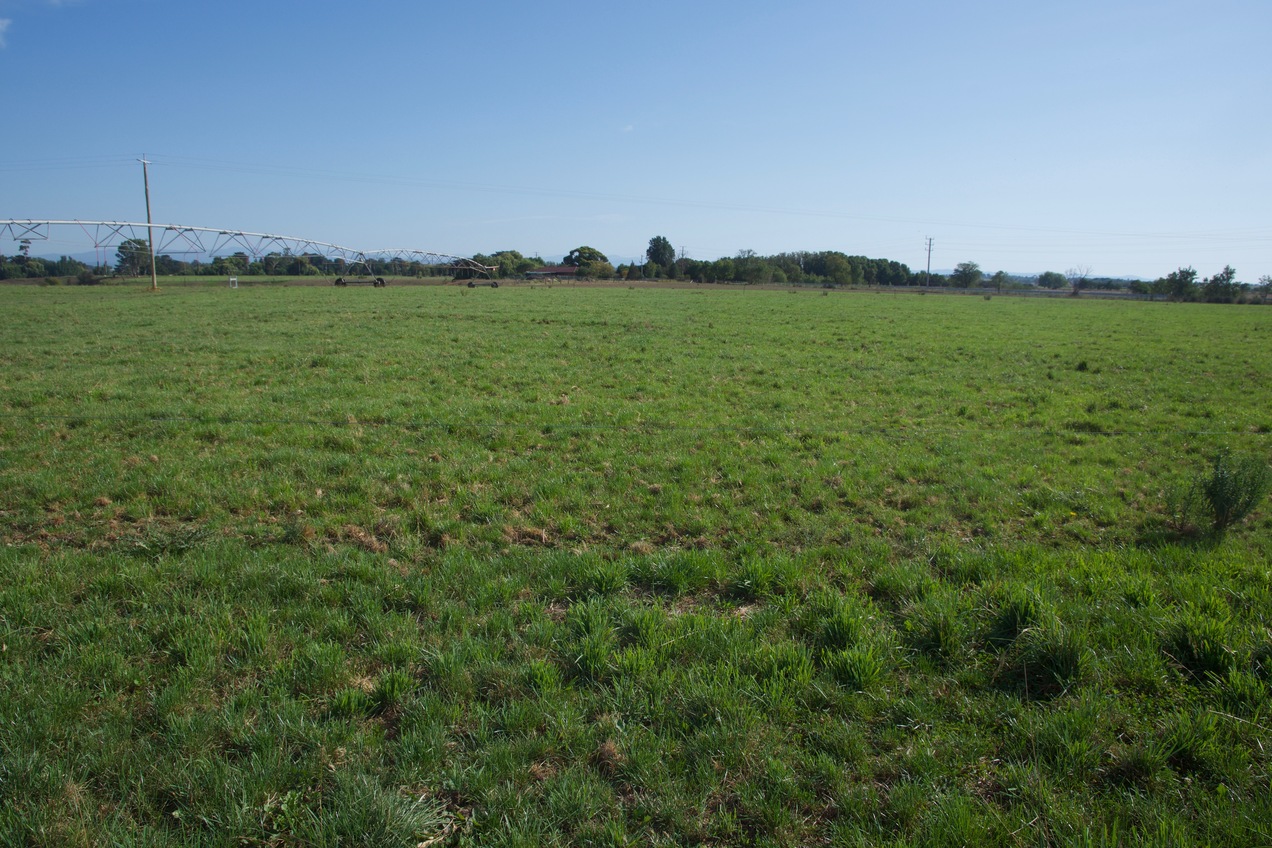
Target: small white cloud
[
  {"x": 4, "y": 27},
  {"x": 629, "y": 128}
]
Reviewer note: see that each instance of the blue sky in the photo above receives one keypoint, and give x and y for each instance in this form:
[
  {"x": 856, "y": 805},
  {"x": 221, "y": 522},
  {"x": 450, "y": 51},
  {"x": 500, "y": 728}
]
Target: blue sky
[{"x": 1130, "y": 137}]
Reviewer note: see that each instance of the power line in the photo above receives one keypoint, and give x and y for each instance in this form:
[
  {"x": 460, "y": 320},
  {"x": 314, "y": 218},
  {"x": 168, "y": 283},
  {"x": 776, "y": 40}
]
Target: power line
[{"x": 326, "y": 175}]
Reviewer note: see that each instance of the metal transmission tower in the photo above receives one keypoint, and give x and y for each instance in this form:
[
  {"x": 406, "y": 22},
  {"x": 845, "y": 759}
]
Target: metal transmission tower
[{"x": 208, "y": 241}]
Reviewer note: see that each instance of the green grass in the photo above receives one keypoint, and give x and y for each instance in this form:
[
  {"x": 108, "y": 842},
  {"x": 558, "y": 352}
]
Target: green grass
[{"x": 618, "y": 566}]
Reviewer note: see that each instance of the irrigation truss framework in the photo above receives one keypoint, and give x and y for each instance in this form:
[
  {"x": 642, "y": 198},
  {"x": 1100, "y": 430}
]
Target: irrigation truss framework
[{"x": 211, "y": 242}]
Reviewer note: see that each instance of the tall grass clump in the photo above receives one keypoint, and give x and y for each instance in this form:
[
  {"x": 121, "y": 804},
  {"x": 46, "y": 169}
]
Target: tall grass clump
[
  {"x": 1198, "y": 643},
  {"x": 1020, "y": 609},
  {"x": 1047, "y": 660}
]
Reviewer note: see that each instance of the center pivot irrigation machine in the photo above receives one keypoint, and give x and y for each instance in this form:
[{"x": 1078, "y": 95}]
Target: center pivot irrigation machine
[{"x": 348, "y": 265}]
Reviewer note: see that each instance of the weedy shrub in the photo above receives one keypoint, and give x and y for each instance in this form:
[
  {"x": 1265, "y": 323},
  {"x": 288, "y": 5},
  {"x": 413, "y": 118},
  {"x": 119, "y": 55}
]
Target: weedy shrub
[
  {"x": 158, "y": 541},
  {"x": 1235, "y": 485}
]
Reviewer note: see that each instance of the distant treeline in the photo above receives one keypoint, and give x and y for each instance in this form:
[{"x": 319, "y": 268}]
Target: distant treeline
[
  {"x": 132, "y": 259},
  {"x": 824, "y": 268},
  {"x": 22, "y": 267}
]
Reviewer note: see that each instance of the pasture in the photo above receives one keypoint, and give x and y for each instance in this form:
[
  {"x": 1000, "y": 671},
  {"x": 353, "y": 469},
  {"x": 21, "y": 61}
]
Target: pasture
[{"x": 531, "y": 566}]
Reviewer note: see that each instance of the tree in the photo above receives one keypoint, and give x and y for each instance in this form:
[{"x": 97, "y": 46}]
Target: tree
[
  {"x": 584, "y": 255},
  {"x": 508, "y": 263},
  {"x": 65, "y": 266},
  {"x": 300, "y": 266},
  {"x": 749, "y": 267},
  {"x": 999, "y": 278},
  {"x": 1079, "y": 276},
  {"x": 599, "y": 269},
  {"x": 966, "y": 275},
  {"x": 166, "y": 265},
  {"x": 1222, "y": 287},
  {"x": 1264, "y": 288},
  {"x": 1179, "y": 285},
  {"x": 230, "y": 266},
  {"x": 132, "y": 259},
  {"x": 722, "y": 270},
  {"x": 837, "y": 268},
  {"x": 1052, "y": 280},
  {"x": 660, "y": 252}
]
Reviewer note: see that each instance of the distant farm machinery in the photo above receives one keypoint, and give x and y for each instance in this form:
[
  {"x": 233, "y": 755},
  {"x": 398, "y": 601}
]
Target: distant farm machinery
[
  {"x": 353, "y": 267},
  {"x": 377, "y": 282}
]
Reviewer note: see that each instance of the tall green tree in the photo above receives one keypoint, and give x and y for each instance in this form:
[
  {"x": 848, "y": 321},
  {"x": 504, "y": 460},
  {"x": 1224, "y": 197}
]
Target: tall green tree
[
  {"x": 1222, "y": 287},
  {"x": 967, "y": 275},
  {"x": 1052, "y": 280},
  {"x": 1180, "y": 284},
  {"x": 660, "y": 252},
  {"x": 584, "y": 255},
  {"x": 599, "y": 269},
  {"x": 132, "y": 259}
]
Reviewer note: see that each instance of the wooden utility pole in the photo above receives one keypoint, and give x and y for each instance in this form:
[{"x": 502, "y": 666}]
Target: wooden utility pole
[{"x": 150, "y": 230}]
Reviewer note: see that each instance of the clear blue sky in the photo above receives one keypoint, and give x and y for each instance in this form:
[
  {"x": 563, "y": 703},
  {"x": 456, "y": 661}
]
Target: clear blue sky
[{"x": 1125, "y": 135}]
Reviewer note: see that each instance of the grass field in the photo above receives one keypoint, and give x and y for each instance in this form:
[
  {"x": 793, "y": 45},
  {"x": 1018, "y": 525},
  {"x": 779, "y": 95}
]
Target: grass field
[{"x": 531, "y": 566}]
